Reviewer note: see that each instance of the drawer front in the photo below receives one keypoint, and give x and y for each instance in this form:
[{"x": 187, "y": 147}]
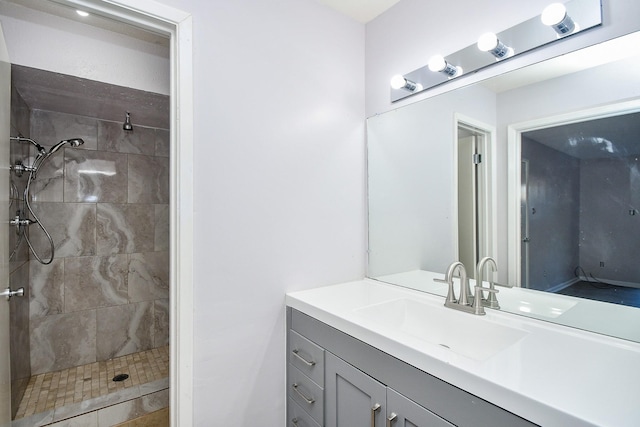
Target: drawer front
[
  {"x": 306, "y": 356},
  {"x": 297, "y": 417},
  {"x": 306, "y": 393}
]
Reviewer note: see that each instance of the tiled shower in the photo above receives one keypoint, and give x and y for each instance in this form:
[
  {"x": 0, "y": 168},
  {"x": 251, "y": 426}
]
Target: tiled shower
[{"x": 106, "y": 205}]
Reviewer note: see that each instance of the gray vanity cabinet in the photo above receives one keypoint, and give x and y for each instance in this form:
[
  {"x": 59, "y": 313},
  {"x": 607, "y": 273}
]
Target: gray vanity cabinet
[
  {"x": 353, "y": 398},
  {"x": 336, "y": 380}
]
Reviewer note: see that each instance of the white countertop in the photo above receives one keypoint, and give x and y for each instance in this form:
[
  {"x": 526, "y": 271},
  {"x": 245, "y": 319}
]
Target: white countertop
[{"x": 554, "y": 376}]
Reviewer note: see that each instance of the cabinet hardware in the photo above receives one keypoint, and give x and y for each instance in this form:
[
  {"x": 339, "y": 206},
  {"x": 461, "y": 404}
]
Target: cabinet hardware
[
  {"x": 306, "y": 362},
  {"x": 375, "y": 408},
  {"x": 391, "y": 418},
  {"x": 306, "y": 399},
  {"x": 294, "y": 422}
]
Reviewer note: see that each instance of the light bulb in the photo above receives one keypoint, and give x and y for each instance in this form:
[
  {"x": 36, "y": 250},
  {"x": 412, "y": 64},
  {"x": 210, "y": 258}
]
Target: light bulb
[
  {"x": 487, "y": 42},
  {"x": 553, "y": 14},
  {"x": 398, "y": 81},
  {"x": 437, "y": 63},
  {"x": 82, "y": 13}
]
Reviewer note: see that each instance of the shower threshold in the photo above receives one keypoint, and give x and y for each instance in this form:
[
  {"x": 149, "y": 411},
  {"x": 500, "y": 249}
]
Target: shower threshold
[{"x": 56, "y": 396}]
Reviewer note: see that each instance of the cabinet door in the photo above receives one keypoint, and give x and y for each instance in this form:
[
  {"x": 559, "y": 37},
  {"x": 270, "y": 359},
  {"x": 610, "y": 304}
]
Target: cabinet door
[
  {"x": 402, "y": 412},
  {"x": 352, "y": 398}
]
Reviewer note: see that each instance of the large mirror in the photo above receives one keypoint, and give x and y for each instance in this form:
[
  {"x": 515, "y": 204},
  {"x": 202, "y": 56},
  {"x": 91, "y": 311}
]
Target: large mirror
[{"x": 538, "y": 168}]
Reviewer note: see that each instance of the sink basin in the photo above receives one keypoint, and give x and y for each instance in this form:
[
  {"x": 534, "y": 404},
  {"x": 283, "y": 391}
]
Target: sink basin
[{"x": 463, "y": 333}]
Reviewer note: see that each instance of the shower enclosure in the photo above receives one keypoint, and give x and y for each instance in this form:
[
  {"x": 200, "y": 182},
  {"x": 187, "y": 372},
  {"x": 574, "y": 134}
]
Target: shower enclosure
[{"x": 91, "y": 247}]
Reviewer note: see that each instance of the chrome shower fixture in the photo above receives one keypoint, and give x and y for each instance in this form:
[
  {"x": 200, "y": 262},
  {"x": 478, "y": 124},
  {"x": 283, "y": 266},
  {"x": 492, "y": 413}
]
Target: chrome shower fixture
[
  {"x": 127, "y": 126},
  {"x": 23, "y": 139},
  {"x": 22, "y": 220},
  {"x": 74, "y": 142}
]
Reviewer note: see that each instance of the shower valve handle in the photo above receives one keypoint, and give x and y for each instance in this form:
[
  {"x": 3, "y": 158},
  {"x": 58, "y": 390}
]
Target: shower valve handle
[{"x": 8, "y": 293}]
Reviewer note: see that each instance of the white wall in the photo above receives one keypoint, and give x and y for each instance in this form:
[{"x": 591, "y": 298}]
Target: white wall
[
  {"x": 279, "y": 181},
  {"x": 51, "y": 43},
  {"x": 279, "y": 187}
]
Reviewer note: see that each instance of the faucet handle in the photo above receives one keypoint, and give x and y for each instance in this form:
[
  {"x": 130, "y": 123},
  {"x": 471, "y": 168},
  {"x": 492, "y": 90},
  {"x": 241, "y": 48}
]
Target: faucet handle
[{"x": 478, "y": 307}]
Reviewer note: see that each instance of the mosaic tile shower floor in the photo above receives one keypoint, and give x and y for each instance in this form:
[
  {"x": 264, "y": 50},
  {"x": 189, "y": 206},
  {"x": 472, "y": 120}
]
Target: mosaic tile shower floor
[{"x": 56, "y": 389}]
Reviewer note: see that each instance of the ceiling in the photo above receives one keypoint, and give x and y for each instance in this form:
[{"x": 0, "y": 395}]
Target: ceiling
[
  {"x": 360, "y": 10},
  {"x": 609, "y": 137}
]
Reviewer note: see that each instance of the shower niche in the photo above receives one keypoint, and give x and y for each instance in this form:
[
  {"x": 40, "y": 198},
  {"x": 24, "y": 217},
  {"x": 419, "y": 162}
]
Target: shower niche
[{"x": 96, "y": 302}]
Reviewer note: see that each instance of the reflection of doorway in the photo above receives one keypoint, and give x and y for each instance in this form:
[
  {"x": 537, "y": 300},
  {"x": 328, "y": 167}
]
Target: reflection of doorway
[
  {"x": 575, "y": 196},
  {"x": 474, "y": 184}
]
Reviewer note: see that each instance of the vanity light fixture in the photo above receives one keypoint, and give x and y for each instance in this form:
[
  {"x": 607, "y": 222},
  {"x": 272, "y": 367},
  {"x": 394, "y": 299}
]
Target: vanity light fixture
[
  {"x": 489, "y": 42},
  {"x": 438, "y": 64},
  {"x": 555, "y": 16},
  {"x": 400, "y": 82}
]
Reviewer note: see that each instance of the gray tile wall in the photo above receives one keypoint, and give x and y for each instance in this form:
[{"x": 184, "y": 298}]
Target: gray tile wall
[
  {"x": 106, "y": 207},
  {"x": 609, "y": 232},
  {"x": 554, "y": 193},
  {"x": 19, "y": 263}
]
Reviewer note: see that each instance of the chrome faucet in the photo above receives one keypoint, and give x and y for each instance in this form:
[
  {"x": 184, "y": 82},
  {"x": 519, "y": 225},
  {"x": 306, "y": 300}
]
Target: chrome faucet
[
  {"x": 491, "y": 301},
  {"x": 466, "y": 300}
]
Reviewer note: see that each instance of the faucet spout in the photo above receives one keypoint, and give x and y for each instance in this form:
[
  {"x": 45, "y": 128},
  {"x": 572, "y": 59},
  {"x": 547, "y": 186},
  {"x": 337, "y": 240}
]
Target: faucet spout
[{"x": 491, "y": 301}]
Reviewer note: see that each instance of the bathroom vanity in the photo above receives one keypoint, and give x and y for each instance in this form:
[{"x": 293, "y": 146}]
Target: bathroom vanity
[{"x": 366, "y": 353}]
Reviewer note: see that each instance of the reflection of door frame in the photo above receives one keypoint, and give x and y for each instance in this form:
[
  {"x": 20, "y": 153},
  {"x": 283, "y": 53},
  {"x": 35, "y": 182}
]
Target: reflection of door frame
[
  {"x": 487, "y": 216},
  {"x": 514, "y": 151},
  {"x": 178, "y": 26}
]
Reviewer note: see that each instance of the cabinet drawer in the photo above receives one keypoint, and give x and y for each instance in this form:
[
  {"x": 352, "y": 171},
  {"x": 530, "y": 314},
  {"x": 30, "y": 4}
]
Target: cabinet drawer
[
  {"x": 297, "y": 417},
  {"x": 306, "y": 393},
  {"x": 306, "y": 356}
]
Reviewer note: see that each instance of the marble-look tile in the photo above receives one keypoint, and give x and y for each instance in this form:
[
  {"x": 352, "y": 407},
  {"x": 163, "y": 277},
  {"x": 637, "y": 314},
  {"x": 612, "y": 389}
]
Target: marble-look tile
[
  {"x": 111, "y": 137},
  {"x": 133, "y": 409},
  {"x": 153, "y": 386},
  {"x": 92, "y": 282},
  {"x": 36, "y": 420},
  {"x": 71, "y": 225},
  {"x": 20, "y": 114},
  {"x": 148, "y": 179},
  {"x": 124, "y": 228},
  {"x": 158, "y": 418},
  {"x": 161, "y": 322},
  {"x": 96, "y": 403},
  {"x": 161, "y": 241},
  {"x": 148, "y": 276},
  {"x": 95, "y": 176},
  {"x": 19, "y": 337},
  {"x": 63, "y": 340},
  {"x": 162, "y": 142},
  {"x": 86, "y": 420},
  {"x": 49, "y": 128},
  {"x": 46, "y": 288},
  {"x": 124, "y": 329},
  {"x": 48, "y": 185}
]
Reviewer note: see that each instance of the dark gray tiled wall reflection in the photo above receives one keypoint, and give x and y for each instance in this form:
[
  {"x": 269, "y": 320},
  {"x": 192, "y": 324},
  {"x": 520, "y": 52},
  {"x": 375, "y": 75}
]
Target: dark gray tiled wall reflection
[
  {"x": 554, "y": 189},
  {"x": 106, "y": 205},
  {"x": 609, "y": 221}
]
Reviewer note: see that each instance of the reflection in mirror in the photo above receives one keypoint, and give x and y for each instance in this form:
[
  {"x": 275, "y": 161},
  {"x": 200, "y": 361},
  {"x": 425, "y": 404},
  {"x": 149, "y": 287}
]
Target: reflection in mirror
[
  {"x": 416, "y": 203},
  {"x": 580, "y": 209}
]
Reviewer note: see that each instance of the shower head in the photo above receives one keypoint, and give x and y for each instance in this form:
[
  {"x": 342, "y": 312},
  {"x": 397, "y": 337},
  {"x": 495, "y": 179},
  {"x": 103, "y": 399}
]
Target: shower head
[
  {"x": 39, "y": 147},
  {"x": 74, "y": 142}
]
